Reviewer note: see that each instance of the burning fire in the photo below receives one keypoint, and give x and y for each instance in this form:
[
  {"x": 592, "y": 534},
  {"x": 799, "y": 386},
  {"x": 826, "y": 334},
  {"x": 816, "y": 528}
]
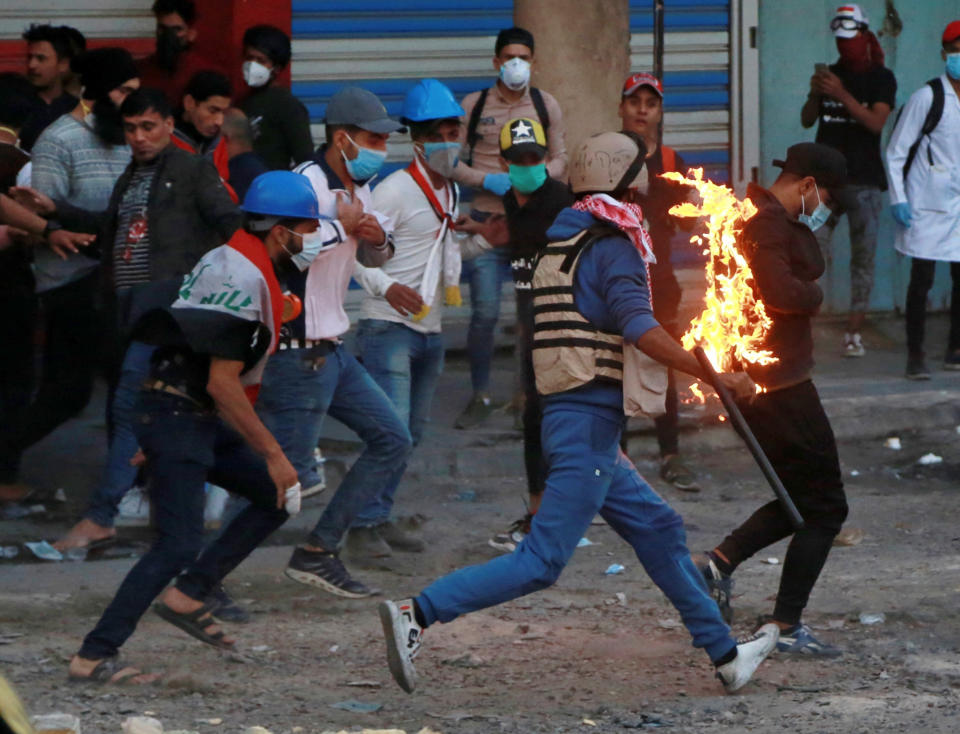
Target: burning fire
[{"x": 733, "y": 323}]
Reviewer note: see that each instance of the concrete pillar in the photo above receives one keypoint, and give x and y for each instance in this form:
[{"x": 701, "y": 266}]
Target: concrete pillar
[{"x": 582, "y": 57}]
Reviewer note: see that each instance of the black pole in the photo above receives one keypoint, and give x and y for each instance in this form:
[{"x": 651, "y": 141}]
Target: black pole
[
  {"x": 737, "y": 419},
  {"x": 658, "y": 39},
  {"x": 658, "y": 53}
]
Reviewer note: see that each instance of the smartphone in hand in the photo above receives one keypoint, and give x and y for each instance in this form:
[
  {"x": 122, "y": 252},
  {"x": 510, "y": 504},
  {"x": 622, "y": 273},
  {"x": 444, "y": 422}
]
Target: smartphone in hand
[{"x": 819, "y": 68}]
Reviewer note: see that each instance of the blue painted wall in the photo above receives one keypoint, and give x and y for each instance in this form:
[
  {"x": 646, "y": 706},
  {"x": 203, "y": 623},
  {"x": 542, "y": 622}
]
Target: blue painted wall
[{"x": 795, "y": 34}]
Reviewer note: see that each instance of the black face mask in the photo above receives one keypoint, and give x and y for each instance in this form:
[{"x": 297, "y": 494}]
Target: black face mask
[
  {"x": 107, "y": 123},
  {"x": 169, "y": 48}
]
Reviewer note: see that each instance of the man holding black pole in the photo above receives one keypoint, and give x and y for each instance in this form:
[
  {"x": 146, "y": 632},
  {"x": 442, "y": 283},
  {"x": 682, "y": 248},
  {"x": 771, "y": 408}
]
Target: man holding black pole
[
  {"x": 788, "y": 419},
  {"x": 593, "y": 320}
]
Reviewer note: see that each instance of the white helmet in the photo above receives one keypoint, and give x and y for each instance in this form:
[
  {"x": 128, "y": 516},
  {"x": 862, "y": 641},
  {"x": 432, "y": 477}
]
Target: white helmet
[{"x": 609, "y": 163}]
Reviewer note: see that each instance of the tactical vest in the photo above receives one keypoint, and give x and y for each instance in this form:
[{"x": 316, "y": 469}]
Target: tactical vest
[{"x": 569, "y": 351}]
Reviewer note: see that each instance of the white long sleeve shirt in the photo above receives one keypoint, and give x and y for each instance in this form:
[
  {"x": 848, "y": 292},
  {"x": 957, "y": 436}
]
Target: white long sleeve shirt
[
  {"x": 328, "y": 277},
  {"x": 415, "y": 226},
  {"x": 933, "y": 192}
]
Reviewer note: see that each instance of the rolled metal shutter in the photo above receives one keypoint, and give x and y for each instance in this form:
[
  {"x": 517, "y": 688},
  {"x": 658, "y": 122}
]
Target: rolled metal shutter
[
  {"x": 387, "y": 45},
  {"x": 93, "y": 18}
]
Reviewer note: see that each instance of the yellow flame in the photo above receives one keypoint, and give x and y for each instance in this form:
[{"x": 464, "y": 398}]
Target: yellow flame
[{"x": 733, "y": 323}]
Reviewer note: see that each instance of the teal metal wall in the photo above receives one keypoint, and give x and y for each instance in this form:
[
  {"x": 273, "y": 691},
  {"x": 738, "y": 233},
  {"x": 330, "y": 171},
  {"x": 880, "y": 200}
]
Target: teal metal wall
[{"x": 795, "y": 34}]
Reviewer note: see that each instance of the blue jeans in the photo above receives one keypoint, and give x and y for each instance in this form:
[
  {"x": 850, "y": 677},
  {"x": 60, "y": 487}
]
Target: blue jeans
[
  {"x": 184, "y": 448},
  {"x": 587, "y": 474},
  {"x": 486, "y": 273},
  {"x": 118, "y": 475},
  {"x": 297, "y": 393},
  {"x": 407, "y": 365}
]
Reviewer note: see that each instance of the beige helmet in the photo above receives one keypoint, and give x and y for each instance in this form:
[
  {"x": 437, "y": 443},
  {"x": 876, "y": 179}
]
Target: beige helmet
[{"x": 608, "y": 163}]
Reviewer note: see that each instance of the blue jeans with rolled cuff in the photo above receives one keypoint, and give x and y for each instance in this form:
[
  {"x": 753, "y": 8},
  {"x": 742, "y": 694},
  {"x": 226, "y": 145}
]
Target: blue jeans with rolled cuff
[
  {"x": 486, "y": 273},
  {"x": 298, "y": 391},
  {"x": 406, "y": 364}
]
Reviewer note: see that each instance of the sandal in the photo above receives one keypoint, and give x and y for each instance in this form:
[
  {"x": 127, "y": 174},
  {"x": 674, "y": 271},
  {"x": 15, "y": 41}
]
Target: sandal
[
  {"x": 195, "y": 624},
  {"x": 108, "y": 672}
]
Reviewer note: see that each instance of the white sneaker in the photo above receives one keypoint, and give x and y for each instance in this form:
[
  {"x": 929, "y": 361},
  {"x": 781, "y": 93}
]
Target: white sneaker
[
  {"x": 403, "y": 637},
  {"x": 852, "y": 345},
  {"x": 751, "y": 651},
  {"x": 315, "y": 489},
  {"x": 134, "y": 509}
]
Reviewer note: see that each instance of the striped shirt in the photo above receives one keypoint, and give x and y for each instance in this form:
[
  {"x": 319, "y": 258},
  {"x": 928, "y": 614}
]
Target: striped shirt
[
  {"x": 72, "y": 164},
  {"x": 131, "y": 246}
]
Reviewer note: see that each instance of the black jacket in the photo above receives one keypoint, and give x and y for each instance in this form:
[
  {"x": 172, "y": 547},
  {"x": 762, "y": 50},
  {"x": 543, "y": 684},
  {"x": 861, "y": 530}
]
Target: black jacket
[
  {"x": 786, "y": 261},
  {"x": 189, "y": 212}
]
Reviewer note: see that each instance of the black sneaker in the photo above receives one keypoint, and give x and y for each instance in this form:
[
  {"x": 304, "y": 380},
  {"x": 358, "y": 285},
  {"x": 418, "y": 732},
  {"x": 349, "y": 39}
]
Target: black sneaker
[
  {"x": 477, "y": 411},
  {"x": 719, "y": 584},
  {"x": 399, "y": 539},
  {"x": 224, "y": 608},
  {"x": 952, "y": 360},
  {"x": 326, "y": 571},
  {"x": 917, "y": 368}
]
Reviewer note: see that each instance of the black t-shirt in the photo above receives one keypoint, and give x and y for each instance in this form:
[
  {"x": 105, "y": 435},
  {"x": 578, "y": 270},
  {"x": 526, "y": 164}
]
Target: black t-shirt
[
  {"x": 528, "y": 225},
  {"x": 840, "y": 130},
  {"x": 43, "y": 114},
  {"x": 661, "y": 196},
  {"x": 186, "y": 339}
]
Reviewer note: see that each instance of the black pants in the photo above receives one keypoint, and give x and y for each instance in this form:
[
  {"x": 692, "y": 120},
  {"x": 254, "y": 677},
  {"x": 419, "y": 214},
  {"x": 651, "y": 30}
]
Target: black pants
[
  {"x": 185, "y": 447},
  {"x": 19, "y": 308},
  {"x": 666, "y": 305},
  {"x": 921, "y": 281},
  {"x": 71, "y": 330},
  {"x": 533, "y": 460},
  {"x": 796, "y": 435}
]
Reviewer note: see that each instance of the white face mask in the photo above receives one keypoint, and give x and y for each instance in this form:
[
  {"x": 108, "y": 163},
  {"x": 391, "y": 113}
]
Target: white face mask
[
  {"x": 441, "y": 157},
  {"x": 515, "y": 73},
  {"x": 255, "y": 74}
]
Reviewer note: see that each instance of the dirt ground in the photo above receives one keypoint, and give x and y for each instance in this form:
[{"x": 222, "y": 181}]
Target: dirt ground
[{"x": 573, "y": 658}]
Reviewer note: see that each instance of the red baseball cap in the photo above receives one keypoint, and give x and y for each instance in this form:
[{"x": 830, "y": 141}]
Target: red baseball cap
[
  {"x": 952, "y": 32},
  {"x": 635, "y": 81}
]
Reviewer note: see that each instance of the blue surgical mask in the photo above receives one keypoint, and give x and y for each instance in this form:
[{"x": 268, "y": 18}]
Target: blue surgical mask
[
  {"x": 367, "y": 163},
  {"x": 816, "y": 219},
  {"x": 310, "y": 248},
  {"x": 527, "y": 179},
  {"x": 953, "y": 66},
  {"x": 441, "y": 157}
]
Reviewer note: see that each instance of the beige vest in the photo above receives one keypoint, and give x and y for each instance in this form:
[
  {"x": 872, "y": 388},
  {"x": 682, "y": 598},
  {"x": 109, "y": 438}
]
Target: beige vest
[{"x": 569, "y": 351}]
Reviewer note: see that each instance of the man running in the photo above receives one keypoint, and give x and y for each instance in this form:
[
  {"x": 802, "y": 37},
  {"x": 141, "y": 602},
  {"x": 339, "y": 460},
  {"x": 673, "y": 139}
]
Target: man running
[{"x": 593, "y": 319}]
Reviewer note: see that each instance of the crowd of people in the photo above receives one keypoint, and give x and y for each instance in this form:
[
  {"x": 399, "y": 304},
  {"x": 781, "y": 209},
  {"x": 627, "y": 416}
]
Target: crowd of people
[{"x": 186, "y": 238}]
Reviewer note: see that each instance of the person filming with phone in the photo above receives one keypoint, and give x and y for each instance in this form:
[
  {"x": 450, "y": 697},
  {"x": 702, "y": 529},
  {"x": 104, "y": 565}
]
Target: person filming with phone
[{"x": 852, "y": 99}]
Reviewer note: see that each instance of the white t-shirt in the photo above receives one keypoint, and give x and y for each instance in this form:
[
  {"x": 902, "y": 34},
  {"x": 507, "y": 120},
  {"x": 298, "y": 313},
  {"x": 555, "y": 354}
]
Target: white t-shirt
[{"x": 329, "y": 275}]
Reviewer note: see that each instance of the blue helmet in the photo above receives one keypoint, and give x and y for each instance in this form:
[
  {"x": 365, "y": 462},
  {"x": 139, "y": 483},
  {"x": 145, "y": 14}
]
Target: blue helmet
[
  {"x": 430, "y": 100},
  {"x": 282, "y": 194}
]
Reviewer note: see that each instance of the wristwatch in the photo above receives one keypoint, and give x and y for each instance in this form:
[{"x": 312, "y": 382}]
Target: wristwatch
[{"x": 52, "y": 226}]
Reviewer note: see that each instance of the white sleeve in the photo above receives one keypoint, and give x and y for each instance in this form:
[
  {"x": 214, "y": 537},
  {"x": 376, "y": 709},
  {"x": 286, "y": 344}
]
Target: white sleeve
[
  {"x": 23, "y": 176},
  {"x": 373, "y": 280},
  {"x": 472, "y": 245},
  {"x": 904, "y": 135},
  {"x": 331, "y": 230}
]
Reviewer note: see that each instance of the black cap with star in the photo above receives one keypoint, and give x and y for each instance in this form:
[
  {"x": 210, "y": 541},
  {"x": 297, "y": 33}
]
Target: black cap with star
[{"x": 522, "y": 135}]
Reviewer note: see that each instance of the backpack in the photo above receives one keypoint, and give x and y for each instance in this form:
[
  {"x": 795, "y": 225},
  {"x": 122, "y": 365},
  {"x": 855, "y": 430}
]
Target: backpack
[
  {"x": 929, "y": 124},
  {"x": 536, "y": 96}
]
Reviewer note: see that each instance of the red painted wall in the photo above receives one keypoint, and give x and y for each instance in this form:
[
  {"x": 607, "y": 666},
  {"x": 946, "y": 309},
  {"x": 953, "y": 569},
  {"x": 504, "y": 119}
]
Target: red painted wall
[{"x": 220, "y": 26}]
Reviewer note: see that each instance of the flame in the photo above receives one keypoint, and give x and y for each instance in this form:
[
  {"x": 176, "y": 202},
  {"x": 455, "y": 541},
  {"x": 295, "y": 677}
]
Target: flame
[{"x": 733, "y": 323}]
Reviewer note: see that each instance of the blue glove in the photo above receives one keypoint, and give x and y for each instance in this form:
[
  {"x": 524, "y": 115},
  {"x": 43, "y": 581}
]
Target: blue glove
[
  {"x": 497, "y": 183},
  {"x": 901, "y": 212}
]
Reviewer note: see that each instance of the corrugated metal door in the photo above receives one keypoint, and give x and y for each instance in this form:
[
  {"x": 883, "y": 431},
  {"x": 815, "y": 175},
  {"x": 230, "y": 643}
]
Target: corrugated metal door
[
  {"x": 93, "y": 18},
  {"x": 386, "y": 45}
]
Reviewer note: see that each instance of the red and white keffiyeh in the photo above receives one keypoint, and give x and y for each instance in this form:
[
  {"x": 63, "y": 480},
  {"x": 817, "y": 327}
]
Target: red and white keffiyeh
[{"x": 626, "y": 217}]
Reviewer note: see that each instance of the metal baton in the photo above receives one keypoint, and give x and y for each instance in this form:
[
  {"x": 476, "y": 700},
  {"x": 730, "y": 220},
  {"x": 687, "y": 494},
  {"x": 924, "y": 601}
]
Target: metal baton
[{"x": 738, "y": 421}]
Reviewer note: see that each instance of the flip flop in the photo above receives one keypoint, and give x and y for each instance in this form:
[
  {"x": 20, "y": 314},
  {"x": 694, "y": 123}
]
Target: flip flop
[
  {"x": 193, "y": 625},
  {"x": 104, "y": 672},
  {"x": 101, "y": 544}
]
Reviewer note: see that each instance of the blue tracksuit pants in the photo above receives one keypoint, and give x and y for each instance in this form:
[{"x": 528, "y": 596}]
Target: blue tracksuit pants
[{"x": 588, "y": 474}]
